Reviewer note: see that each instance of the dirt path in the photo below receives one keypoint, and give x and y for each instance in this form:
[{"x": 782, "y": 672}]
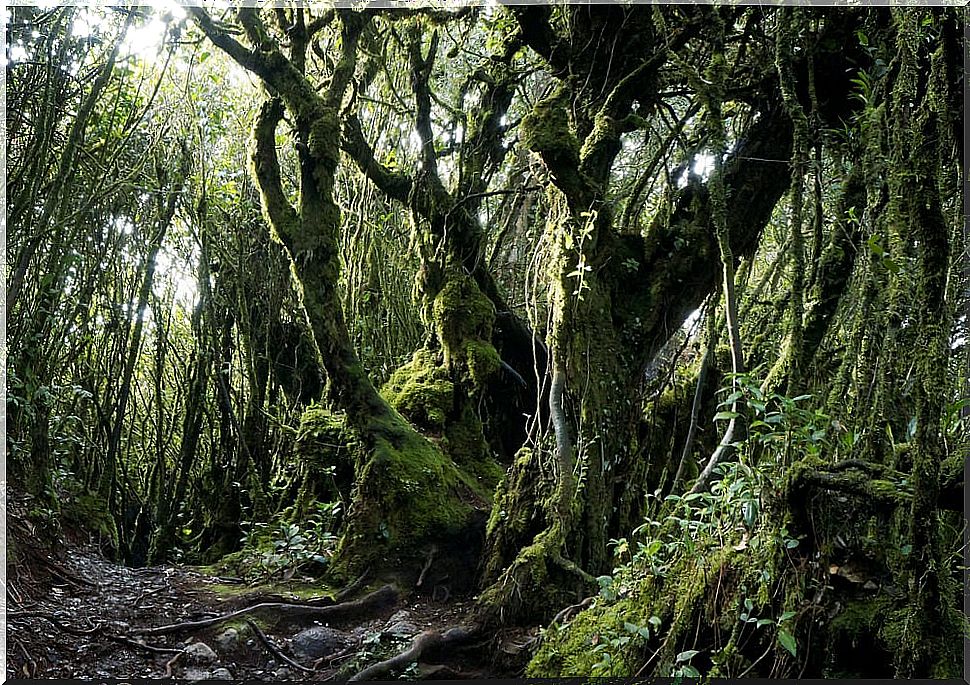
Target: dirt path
[{"x": 86, "y": 620}]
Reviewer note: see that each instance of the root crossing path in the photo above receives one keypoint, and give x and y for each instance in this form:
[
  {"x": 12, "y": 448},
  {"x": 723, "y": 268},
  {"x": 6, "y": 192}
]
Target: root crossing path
[{"x": 82, "y": 616}]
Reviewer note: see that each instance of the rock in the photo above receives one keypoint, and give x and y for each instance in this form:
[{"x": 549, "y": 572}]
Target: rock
[
  {"x": 195, "y": 674},
  {"x": 281, "y": 673},
  {"x": 200, "y": 653},
  {"x": 318, "y": 641},
  {"x": 399, "y": 625},
  {"x": 227, "y": 640}
]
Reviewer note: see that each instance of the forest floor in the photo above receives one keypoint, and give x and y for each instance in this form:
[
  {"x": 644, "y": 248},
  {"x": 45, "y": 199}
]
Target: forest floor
[{"x": 74, "y": 614}]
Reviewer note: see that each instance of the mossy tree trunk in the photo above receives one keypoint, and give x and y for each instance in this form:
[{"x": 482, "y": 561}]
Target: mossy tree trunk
[
  {"x": 473, "y": 327},
  {"x": 851, "y": 550},
  {"x": 397, "y": 465},
  {"x": 617, "y": 296},
  {"x": 615, "y": 299}
]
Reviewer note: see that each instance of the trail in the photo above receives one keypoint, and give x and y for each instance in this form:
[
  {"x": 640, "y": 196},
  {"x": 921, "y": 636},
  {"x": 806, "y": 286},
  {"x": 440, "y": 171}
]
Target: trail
[{"x": 75, "y": 614}]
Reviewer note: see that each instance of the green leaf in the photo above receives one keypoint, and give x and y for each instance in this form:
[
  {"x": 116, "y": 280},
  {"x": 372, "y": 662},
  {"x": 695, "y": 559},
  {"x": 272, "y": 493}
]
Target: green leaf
[
  {"x": 785, "y": 616},
  {"x": 786, "y": 640},
  {"x": 726, "y": 415},
  {"x": 688, "y": 655}
]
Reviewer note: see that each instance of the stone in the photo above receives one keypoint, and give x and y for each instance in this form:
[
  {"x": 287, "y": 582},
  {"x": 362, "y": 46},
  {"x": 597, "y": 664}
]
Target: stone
[
  {"x": 318, "y": 641},
  {"x": 227, "y": 640},
  {"x": 193, "y": 675},
  {"x": 221, "y": 674},
  {"x": 399, "y": 625},
  {"x": 200, "y": 653}
]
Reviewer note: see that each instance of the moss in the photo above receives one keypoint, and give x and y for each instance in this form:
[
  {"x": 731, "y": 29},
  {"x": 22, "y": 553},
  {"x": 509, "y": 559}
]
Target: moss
[
  {"x": 421, "y": 391},
  {"x": 465, "y": 442},
  {"x": 327, "y": 448},
  {"x": 408, "y": 493},
  {"x": 572, "y": 651},
  {"x": 482, "y": 360},
  {"x": 546, "y": 130},
  {"x": 463, "y": 318}
]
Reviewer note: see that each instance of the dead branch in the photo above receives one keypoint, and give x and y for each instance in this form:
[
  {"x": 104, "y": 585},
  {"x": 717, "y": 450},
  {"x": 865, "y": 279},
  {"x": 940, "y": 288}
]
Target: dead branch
[
  {"x": 375, "y": 601},
  {"x": 424, "y": 642}
]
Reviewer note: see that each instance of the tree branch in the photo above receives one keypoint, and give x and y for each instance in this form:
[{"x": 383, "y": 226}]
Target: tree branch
[
  {"x": 394, "y": 184},
  {"x": 282, "y": 215}
]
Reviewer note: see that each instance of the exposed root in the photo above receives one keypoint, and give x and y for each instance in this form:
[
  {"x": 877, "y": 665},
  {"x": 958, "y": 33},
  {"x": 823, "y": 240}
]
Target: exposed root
[
  {"x": 374, "y": 602},
  {"x": 170, "y": 664},
  {"x": 427, "y": 565},
  {"x": 571, "y": 610},
  {"x": 275, "y": 651},
  {"x": 353, "y": 587},
  {"x": 87, "y": 632},
  {"x": 425, "y": 642}
]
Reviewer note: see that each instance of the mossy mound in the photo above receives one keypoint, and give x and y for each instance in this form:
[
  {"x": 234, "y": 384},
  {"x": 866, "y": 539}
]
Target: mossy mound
[
  {"x": 756, "y": 607},
  {"x": 327, "y": 449},
  {"x": 644, "y": 617},
  {"x": 408, "y": 495},
  {"x": 463, "y": 320},
  {"x": 421, "y": 391}
]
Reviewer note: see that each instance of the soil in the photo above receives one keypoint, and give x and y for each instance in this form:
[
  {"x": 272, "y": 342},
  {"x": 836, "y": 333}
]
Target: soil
[{"x": 73, "y": 614}]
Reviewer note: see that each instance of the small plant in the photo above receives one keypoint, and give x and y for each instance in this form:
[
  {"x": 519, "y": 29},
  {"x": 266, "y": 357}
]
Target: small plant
[{"x": 291, "y": 546}]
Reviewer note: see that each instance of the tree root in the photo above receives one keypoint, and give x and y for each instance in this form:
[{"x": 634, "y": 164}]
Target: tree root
[
  {"x": 272, "y": 649},
  {"x": 353, "y": 587},
  {"x": 426, "y": 641},
  {"x": 87, "y": 632},
  {"x": 569, "y": 611},
  {"x": 857, "y": 478},
  {"x": 375, "y": 601}
]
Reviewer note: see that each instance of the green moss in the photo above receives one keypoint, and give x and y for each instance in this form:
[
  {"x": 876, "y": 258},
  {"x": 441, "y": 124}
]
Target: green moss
[
  {"x": 546, "y": 129},
  {"x": 482, "y": 359},
  {"x": 462, "y": 311},
  {"x": 408, "y": 494},
  {"x": 324, "y": 438},
  {"x": 421, "y": 391}
]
